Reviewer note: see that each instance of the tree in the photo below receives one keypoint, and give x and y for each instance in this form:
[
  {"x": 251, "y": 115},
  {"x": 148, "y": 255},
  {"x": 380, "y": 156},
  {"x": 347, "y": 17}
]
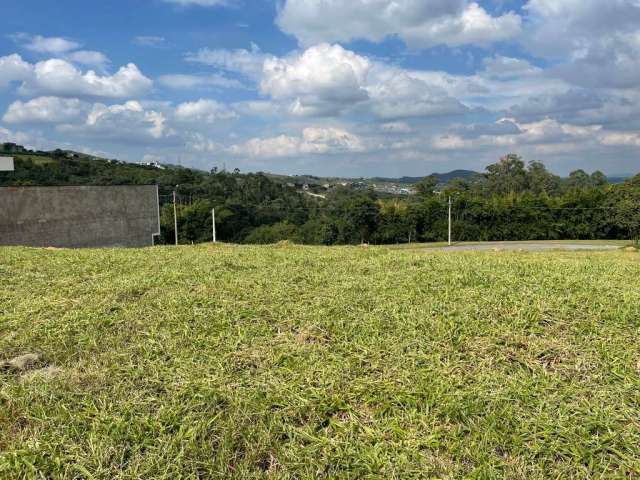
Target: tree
[
  {"x": 579, "y": 179},
  {"x": 540, "y": 180},
  {"x": 195, "y": 222},
  {"x": 426, "y": 186},
  {"x": 363, "y": 216},
  {"x": 507, "y": 176},
  {"x": 599, "y": 179},
  {"x": 626, "y": 207},
  {"x": 395, "y": 225},
  {"x": 457, "y": 186},
  {"x": 429, "y": 218},
  {"x": 353, "y": 215}
]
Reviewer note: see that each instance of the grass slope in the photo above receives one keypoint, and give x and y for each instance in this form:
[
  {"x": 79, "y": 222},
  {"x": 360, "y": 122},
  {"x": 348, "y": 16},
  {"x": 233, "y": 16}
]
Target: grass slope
[
  {"x": 37, "y": 159},
  {"x": 304, "y": 362}
]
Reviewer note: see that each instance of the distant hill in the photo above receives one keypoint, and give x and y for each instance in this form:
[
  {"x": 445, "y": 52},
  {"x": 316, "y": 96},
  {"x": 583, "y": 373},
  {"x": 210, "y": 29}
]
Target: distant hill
[
  {"x": 66, "y": 167},
  {"x": 41, "y": 157},
  {"x": 442, "y": 177},
  {"x": 464, "y": 174},
  {"x": 619, "y": 178},
  {"x": 314, "y": 180},
  {"x": 308, "y": 179}
]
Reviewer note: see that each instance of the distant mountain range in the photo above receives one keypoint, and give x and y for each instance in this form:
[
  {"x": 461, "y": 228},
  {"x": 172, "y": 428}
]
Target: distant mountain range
[
  {"x": 442, "y": 177},
  {"x": 619, "y": 179}
]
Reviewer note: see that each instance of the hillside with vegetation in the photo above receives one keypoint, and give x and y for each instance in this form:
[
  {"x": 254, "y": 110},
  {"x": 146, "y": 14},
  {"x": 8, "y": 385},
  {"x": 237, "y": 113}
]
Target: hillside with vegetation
[
  {"x": 512, "y": 200},
  {"x": 442, "y": 178},
  {"x": 291, "y": 362}
]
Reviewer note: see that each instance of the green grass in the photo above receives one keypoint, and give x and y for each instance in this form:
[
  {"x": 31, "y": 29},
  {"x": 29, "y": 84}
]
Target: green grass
[
  {"x": 413, "y": 246},
  {"x": 37, "y": 159},
  {"x": 305, "y": 362}
]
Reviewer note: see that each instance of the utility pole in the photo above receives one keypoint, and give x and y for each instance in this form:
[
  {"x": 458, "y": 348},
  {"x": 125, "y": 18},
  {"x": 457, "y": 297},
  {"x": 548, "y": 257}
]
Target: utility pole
[
  {"x": 213, "y": 217},
  {"x": 175, "y": 216},
  {"x": 449, "y": 220}
]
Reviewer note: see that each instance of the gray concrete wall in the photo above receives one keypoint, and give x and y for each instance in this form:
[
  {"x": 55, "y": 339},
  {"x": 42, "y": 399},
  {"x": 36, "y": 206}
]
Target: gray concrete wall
[{"x": 87, "y": 216}]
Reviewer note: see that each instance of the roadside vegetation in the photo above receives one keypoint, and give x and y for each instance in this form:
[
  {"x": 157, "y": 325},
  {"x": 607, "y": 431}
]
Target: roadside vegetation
[{"x": 310, "y": 362}]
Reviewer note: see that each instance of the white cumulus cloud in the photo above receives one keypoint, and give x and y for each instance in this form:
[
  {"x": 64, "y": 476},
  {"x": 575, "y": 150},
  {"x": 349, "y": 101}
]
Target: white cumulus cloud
[
  {"x": 595, "y": 43},
  {"x": 46, "y": 110},
  {"x": 61, "y": 78},
  {"x": 204, "y": 110},
  {"x": 314, "y": 140},
  {"x": 400, "y": 95},
  {"x": 124, "y": 123},
  {"x": 13, "y": 69},
  {"x": 329, "y": 80},
  {"x": 53, "y": 45},
  {"x": 420, "y": 23},
  {"x": 323, "y": 80}
]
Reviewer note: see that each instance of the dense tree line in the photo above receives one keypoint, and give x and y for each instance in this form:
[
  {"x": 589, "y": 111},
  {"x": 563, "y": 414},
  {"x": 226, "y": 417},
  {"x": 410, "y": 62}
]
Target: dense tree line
[{"x": 511, "y": 201}]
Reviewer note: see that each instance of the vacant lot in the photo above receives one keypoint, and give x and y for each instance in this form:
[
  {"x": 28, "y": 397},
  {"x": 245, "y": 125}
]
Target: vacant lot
[{"x": 302, "y": 362}]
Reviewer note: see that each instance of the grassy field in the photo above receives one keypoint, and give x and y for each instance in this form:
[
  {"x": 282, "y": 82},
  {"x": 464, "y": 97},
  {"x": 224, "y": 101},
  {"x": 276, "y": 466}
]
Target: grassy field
[
  {"x": 302, "y": 362},
  {"x": 413, "y": 246}
]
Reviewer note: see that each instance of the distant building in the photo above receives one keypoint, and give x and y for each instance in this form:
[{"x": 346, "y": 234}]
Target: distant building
[{"x": 152, "y": 164}]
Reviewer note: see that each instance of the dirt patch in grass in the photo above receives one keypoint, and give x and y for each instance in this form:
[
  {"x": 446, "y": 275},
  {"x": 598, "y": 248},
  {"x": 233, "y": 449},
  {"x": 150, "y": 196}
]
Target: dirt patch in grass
[{"x": 22, "y": 363}]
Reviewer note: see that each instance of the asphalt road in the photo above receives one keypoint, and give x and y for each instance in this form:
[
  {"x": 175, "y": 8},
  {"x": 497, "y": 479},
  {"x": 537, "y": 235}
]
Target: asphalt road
[{"x": 528, "y": 246}]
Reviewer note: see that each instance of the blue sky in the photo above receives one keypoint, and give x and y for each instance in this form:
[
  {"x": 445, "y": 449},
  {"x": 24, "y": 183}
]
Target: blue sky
[{"x": 358, "y": 88}]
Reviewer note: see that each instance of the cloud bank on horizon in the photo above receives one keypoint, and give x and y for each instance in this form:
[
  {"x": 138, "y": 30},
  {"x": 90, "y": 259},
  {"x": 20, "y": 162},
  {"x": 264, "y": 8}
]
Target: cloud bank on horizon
[{"x": 358, "y": 88}]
